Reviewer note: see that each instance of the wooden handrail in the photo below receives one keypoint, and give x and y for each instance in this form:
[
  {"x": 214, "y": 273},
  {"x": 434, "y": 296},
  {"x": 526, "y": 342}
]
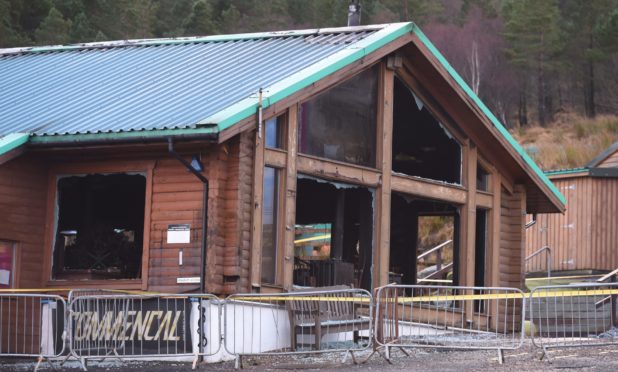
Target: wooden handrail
[{"x": 439, "y": 246}]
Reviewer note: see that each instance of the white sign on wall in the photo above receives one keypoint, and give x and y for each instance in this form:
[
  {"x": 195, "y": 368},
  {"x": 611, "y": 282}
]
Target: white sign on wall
[{"x": 179, "y": 234}]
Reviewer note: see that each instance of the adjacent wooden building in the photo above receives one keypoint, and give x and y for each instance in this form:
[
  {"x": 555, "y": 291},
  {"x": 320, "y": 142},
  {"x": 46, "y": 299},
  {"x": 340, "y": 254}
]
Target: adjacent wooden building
[
  {"x": 307, "y": 156},
  {"x": 585, "y": 237}
]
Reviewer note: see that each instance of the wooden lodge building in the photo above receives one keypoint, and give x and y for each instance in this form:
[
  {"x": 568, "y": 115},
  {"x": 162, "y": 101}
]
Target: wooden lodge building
[
  {"x": 585, "y": 237},
  {"x": 308, "y": 158}
]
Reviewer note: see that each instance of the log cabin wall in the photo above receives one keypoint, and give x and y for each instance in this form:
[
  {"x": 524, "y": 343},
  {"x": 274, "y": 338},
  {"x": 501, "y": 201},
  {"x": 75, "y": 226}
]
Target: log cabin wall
[
  {"x": 23, "y": 202},
  {"x": 27, "y": 191},
  {"x": 511, "y": 252},
  {"x": 585, "y": 236}
]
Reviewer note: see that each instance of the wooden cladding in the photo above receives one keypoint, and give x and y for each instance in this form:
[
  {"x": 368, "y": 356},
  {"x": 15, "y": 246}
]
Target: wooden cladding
[{"x": 585, "y": 236}]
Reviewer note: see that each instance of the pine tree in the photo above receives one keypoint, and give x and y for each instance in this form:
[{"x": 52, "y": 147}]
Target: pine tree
[
  {"x": 81, "y": 30},
  {"x": 200, "y": 22},
  {"x": 54, "y": 29},
  {"x": 531, "y": 28}
]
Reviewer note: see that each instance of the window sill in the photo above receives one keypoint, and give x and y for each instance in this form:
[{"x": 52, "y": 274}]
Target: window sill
[{"x": 133, "y": 284}]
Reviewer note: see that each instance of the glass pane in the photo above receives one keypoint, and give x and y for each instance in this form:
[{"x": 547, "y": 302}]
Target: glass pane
[
  {"x": 274, "y": 133},
  {"x": 269, "y": 225},
  {"x": 340, "y": 124}
]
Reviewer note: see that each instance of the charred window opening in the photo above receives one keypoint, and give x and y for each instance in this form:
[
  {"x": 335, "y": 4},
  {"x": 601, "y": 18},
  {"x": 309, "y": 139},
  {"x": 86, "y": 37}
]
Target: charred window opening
[
  {"x": 333, "y": 235},
  {"x": 482, "y": 178},
  {"x": 424, "y": 241},
  {"x": 100, "y": 227},
  {"x": 480, "y": 255},
  {"x": 340, "y": 124},
  {"x": 421, "y": 145}
]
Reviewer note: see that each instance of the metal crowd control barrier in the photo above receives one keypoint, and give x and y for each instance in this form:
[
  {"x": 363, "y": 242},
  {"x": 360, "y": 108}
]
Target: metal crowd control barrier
[
  {"x": 574, "y": 315},
  {"x": 32, "y": 325},
  {"x": 311, "y": 321},
  {"x": 104, "y": 324},
  {"x": 449, "y": 317}
]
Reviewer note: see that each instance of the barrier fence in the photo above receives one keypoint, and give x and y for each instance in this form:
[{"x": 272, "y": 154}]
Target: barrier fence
[
  {"x": 32, "y": 325},
  {"x": 449, "y": 317},
  {"x": 574, "y": 315},
  {"x": 311, "y": 321},
  {"x": 98, "y": 324},
  {"x": 107, "y": 324}
]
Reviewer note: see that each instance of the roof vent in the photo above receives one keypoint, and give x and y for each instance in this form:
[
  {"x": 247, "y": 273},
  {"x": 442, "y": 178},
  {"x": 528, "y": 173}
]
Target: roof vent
[{"x": 354, "y": 13}]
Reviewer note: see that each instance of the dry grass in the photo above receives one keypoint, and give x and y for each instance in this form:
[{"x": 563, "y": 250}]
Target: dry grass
[{"x": 571, "y": 141}]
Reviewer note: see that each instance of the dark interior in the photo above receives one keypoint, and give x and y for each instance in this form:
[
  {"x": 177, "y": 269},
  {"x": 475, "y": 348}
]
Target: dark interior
[
  {"x": 405, "y": 213},
  {"x": 100, "y": 227},
  {"x": 421, "y": 145},
  {"x": 348, "y": 214}
]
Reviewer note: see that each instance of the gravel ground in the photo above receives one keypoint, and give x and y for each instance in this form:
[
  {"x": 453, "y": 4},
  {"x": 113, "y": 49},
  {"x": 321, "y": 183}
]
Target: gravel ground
[{"x": 525, "y": 359}]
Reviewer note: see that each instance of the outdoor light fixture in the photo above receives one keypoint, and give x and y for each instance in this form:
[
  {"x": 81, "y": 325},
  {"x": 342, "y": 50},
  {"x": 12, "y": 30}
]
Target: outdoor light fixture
[{"x": 196, "y": 164}]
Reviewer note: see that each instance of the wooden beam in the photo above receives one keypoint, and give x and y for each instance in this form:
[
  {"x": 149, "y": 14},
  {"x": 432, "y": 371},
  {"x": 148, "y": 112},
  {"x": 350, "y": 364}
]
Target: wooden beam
[
  {"x": 484, "y": 200},
  {"x": 336, "y": 171},
  {"x": 256, "y": 230},
  {"x": 382, "y": 226},
  {"x": 495, "y": 231},
  {"x": 275, "y": 158},
  {"x": 429, "y": 189},
  {"x": 290, "y": 197}
]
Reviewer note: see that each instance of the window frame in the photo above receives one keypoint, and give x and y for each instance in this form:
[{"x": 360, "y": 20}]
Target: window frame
[
  {"x": 279, "y": 199},
  {"x": 60, "y": 170},
  {"x": 16, "y": 264}
]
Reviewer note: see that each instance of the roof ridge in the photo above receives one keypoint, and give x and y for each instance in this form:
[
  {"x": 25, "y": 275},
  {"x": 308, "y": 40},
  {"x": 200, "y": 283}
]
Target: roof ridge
[{"x": 191, "y": 39}]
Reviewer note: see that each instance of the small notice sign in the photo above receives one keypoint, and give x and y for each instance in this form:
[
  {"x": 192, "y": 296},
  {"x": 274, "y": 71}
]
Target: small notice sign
[
  {"x": 191, "y": 279},
  {"x": 179, "y": 234}
]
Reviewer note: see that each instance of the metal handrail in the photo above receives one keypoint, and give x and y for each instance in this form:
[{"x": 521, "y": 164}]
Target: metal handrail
[
  {"x": 607, "y": 276},
  {"x": 437, "y": 247},
  {"x": 548, "y": 259}
]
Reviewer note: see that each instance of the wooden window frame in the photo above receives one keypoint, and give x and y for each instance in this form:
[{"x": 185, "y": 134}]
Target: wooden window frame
[
  {"x": 16, "y": 272},
  {"x": 145, "y": 167},
  {"x": 279, "y": 231}
]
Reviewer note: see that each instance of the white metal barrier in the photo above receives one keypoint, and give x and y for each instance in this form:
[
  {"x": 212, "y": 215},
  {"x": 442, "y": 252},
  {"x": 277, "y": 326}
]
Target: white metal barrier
[
  {"x": 124, "y": 326},
  {"x": 32, "y": 325},
  {"x": 574, "y": 315},
  {"x": 449, "y": 317},
  {"x": 311, "y": 321}
]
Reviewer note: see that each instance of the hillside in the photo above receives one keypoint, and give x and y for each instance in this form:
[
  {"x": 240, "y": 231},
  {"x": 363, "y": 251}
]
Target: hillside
[{"x": 570, "y": 141}]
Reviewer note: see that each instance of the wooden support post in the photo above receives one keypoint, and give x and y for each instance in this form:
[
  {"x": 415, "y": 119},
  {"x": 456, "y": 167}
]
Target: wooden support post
[
  {"x": 256, "y": 230},
  {"x": 290, "y": 198},
  {"x": 494, "y": 243},
  {"x": 382, "y": 219},
  {"x": 468, "y": 225}
]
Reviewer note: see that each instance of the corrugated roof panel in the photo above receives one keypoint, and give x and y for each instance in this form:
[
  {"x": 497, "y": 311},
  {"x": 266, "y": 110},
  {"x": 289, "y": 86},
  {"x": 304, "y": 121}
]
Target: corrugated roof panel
[{"x": 147, "y": 86}]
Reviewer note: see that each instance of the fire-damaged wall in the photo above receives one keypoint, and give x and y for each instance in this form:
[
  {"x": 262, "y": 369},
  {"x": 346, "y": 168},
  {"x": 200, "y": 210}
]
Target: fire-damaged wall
[
  {"x": 27, "y": 194},
  {"x": 23, "y": 197}
]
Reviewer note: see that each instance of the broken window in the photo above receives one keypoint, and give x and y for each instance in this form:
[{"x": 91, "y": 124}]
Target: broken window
[
  {"x": 269, "y": 225},
  {"x": 340, "y": 124},
  {"x": 274, "y": 133},
  {"x": 423, "y": 241},
  {"x": 482, "y": 178},
  {"x": 333, "y": 234},
  {"x": 422, "y": 146},
  {"x": 100, "y": 226}
]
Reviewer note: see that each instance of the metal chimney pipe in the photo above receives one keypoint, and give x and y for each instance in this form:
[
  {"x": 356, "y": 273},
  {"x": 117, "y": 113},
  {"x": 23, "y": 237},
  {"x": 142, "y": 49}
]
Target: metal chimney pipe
[{"x": 354, "y": 13}]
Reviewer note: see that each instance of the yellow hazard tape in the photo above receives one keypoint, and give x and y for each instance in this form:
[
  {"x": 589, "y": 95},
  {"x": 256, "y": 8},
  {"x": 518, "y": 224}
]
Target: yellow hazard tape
[
  {"x": 438, "y": 298},
  {"x": 403, "y": 299}
]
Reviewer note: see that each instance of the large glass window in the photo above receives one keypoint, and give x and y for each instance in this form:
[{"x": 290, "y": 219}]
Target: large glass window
[
  {"x": 100, "y": 227},
  {"x": 269, "y": 225},
  {"x": 340, "y": 124}
]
